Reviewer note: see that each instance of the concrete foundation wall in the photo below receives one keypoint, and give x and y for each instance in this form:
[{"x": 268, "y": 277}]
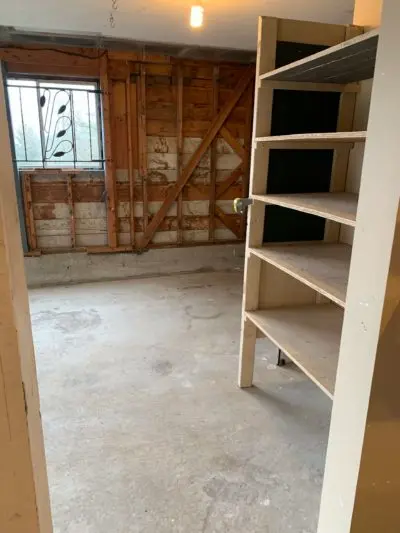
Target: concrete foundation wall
[{"x": 55, "y": 269}]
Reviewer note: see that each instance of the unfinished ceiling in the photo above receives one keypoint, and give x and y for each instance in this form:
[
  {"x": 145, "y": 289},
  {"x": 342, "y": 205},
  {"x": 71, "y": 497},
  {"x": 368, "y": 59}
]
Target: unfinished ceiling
[{"x": 227, "y": 23}]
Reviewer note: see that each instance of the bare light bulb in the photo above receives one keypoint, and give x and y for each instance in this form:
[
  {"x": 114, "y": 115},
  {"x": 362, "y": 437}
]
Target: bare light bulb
[{"x": 196, "y": 16}]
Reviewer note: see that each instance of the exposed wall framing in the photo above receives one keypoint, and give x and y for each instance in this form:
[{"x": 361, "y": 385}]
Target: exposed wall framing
[{"x": 177, "y": 140}]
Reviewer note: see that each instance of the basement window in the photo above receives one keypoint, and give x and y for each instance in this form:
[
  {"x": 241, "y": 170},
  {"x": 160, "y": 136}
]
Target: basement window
[{"x": 55, "y": 124}]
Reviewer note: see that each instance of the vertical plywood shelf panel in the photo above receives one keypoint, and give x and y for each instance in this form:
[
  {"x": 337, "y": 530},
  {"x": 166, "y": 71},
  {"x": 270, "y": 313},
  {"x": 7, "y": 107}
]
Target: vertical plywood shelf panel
[{"x": 285, "y": 282}]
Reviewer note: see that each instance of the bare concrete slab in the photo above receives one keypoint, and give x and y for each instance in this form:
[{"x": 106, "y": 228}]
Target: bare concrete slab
[{"x": 145, "y": 428}]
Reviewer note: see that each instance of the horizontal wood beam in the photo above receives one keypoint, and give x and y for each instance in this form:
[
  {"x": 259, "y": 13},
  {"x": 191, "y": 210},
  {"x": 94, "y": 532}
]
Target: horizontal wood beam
[
  {"x": 138, "y": 57},
  {"x": 67, "y": 56},
  {"x": 171, "y": 223},
  {"x": 55, "y": 193},
  {"x": 44, "y": 69}
]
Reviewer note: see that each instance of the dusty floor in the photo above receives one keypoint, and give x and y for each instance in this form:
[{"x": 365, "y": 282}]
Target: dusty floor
[{"x": 146, "y": 430}]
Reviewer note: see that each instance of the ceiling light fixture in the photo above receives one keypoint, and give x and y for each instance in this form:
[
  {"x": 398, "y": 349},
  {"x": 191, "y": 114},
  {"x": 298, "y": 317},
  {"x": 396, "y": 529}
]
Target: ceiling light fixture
[{"x": 196, "y": 16}]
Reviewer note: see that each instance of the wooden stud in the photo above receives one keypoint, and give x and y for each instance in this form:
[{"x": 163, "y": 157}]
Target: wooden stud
[
  {"x": 70, "y": 195},
  {"x": 131, "y": 175},
  {"x": 213, "y": 159},
  {"x": 195, "y": 159},
  {"x": 29, "y": 216},
  {"x": 110, "y": 180},
  {"x": 179, "y": 142},
  {"x": 24, "y": 493},
  {"x": 142, "y": 140}
]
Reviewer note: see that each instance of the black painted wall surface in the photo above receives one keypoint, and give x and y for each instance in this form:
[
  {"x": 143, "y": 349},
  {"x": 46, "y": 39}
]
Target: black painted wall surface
[{"x": 298, "y": 171}]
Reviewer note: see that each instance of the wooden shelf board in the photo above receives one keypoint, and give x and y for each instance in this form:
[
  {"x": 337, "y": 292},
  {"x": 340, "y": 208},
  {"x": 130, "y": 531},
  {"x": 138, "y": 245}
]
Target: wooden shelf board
[
  {"x": 335, "y": 137},
  {"x": 350, "y": 61},
  {"x": 309, "y": 335},
  {"x": 322, "y": 266},
  {"x": 338, "y": 206}
]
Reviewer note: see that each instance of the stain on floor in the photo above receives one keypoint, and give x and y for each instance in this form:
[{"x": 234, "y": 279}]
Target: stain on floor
[{"x": 146, "y": 430}]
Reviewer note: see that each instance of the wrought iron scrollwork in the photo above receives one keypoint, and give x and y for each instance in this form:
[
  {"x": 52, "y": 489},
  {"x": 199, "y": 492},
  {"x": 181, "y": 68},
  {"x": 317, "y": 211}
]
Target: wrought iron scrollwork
[{"x": 57, "y": 122}]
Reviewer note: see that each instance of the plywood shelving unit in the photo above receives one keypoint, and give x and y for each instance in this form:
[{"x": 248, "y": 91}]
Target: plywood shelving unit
[
  {"x": 323, "y": 267},
  {"x": 335, "y": 137},
  {"x": 350, "y": 61},
  {"x": 338, "y": 206},
  {"x": 291, "y": 329},
  {"x": 295, "y": 292}
]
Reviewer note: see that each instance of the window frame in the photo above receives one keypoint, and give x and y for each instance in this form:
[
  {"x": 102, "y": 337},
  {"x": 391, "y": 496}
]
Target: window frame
[{"x": 43, "y": 164}]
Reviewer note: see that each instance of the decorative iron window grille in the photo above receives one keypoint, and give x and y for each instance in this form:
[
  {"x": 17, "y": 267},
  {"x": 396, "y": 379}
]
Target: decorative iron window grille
[{"x": 56, "y": 123}]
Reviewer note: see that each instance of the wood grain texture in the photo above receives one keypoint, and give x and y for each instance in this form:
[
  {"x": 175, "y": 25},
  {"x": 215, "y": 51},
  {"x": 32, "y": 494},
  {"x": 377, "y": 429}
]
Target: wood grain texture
[
  {"x": 179, "y": 142},
  {"x": 70, "y": 194},
  {"x": 142, "y": 141},
  {"x": 349, "y": 61},
  {"x": 213, "y": 157},
  {"x": 55, "y": 192},
  {"x": 300, "y": 31},
  {"x": 308, "y": 335},
  {"x": 323, "y": 267},
  {"x": 340, "y": 207},
  {"x": 110, "y": 181},
  {"x": 233, "y": 142},
  {"x": 213, "y": 130},
  {"x": 362, "y": 463},
  {"x": 227, "y": 221},
  {"x": 247, "y": 146},
  {"x": 310, "y": 138},
  {"x": 127, "y": 132},
  {"x": 24, "y": 492},
  {"x": 266, "y": 55},
  {"x": 29, "y": 214},
  {"x": 131, "y": 148}
]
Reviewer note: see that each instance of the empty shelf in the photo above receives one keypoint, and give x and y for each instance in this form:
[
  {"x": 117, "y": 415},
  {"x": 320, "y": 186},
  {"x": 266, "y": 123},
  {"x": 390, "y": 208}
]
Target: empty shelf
[
  {"x": 352, "y": 60},
  {"x": 309, "y": 335},
  {"x": 338, "y": 206},
  {"x": 322, "y": 266},
  {"x": 334, "y": 137}
]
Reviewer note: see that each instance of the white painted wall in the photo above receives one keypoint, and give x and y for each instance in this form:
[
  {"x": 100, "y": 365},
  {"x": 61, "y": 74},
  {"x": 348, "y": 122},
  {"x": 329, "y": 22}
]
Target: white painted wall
[{"x": 227, "y": 24}]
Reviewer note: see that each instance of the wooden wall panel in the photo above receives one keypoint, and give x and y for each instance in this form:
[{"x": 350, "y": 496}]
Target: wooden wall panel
[{"x": 149, "y": 153}]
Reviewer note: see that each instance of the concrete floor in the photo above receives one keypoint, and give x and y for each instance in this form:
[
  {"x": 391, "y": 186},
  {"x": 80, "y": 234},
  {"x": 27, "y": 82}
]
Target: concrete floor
[{"x": 145, "y": 428}]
